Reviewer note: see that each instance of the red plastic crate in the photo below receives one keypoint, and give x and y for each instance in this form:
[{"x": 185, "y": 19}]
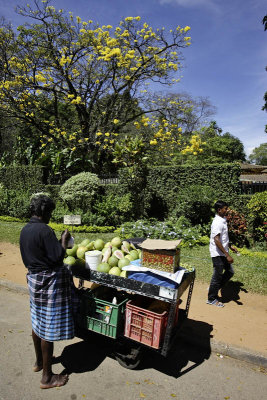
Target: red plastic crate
[{"x": 145, "y": 326}]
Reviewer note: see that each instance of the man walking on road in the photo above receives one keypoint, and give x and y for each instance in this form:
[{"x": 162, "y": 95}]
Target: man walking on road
[
  {"x": 51, "y": 288},
  {"x": 219, "y": 251}
]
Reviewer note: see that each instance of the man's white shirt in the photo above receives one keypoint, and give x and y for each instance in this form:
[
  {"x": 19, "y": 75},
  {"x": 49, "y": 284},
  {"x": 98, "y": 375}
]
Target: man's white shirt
[{"x": 219, "y": 226}]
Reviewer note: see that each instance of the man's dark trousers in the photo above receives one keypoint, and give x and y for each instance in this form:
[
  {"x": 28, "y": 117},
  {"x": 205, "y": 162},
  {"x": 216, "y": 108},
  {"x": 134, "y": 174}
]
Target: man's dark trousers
[{"x": 222, "y": 272}]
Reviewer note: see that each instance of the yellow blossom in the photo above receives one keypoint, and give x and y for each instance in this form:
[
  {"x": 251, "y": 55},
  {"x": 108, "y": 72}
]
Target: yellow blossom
[{"x": 115, "y": 121}]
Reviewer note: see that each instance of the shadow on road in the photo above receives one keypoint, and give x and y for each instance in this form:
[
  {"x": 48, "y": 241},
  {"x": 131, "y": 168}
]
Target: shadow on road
[
  {"x": 190, "y": 349},
  {"x": 230, "y": 292}
]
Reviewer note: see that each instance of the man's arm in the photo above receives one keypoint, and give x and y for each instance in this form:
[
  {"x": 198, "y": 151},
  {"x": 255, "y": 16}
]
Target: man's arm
[{"x": 220, "y": 247}]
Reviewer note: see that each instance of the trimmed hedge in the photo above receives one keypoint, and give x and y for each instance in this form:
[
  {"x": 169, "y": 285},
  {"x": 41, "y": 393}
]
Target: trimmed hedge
[
  {"x": 156, "y": 189},
  {"x": 22, "y": 177},
  {"x": 62, "y": 227}
]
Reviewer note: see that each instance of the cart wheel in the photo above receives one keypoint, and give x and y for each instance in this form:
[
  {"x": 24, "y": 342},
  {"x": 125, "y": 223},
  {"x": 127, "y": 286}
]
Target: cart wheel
[{"x": 128, "y": 356}]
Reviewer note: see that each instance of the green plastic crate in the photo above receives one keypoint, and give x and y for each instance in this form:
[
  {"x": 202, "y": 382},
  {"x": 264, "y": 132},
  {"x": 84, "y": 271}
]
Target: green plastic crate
[{"x": 99, "y": 314}]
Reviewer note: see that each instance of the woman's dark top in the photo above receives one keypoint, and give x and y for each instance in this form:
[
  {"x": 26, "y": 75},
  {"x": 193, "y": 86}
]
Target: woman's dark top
[{"x": 39, "y": 247}]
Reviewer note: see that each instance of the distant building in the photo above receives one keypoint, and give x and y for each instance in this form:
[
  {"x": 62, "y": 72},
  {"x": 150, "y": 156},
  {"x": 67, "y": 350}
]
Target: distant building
[{"x": 253, "y": 178}]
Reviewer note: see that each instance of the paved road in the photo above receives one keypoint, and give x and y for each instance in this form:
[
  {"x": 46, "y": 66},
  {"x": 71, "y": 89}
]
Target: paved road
[{"x": 189, "y": 373}]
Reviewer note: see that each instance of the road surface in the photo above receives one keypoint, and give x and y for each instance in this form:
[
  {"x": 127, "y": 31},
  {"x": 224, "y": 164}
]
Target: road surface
[{"x": 189, "y": 373}]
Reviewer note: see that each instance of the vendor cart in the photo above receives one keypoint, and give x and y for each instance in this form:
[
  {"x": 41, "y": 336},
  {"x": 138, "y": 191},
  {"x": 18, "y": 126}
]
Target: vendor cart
[{"x": 128, "y": 350}]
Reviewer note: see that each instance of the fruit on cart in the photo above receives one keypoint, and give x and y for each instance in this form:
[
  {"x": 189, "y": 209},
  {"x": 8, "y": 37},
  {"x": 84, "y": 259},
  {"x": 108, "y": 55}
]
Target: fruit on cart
[
  {"x": 90, "y": 246},
  {"x": 99, "y": 244},
  {"x": 107, "y": 244},
  {"x": 114, "y": 248},
  {"x": 70, "y": 260},
  {"x": 123, "y": 262},
  {"x": 72, "y": 251},
  {"x": 118, "y": 254},
  {"x": 134, "y": 254},
  {"x": 116, "y": 241},
  {"x": 115, "y": 271},
  {"x": 127, "y": 245},
  {"x": 85, "y": 242},
  {"x": 129, "y": 257},
  {"x": 81, "y": 252},
  {"x": 113, "y": 261},
  {"x": 103, "y": 267},
  {"x": 123, "y": 274},
  {"x": 125, "y": 249},
  {"x": 107, "y": 254}
]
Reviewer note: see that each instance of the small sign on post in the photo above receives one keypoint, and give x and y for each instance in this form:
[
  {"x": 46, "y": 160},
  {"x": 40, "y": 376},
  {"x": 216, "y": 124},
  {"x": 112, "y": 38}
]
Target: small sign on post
[{"x": 72, "y": 220}]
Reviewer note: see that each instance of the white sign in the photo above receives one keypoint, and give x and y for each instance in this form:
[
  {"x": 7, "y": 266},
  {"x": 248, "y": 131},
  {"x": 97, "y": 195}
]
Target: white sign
[{"x": 72, "y": 220}]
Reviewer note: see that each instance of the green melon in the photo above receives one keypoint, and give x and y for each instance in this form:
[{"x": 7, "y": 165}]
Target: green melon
[
  {"x": 103, "y": 267},
  {"x": 113, "y": 261},
  {"x": 69, "y": 260},
  {"x": 134, "y": 254},
  {"x": 99, "y": 244},
  {"x": 115, "y": 271},
  {"x": 81, "y": 252},
  {"x": 123, "y": 262},
  {"x": 72, "y": 251}
]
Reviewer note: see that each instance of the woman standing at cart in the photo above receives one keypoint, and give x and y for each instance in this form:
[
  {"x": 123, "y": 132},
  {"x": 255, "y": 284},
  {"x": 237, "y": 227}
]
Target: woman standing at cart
[{"x": 51, "y": 289}]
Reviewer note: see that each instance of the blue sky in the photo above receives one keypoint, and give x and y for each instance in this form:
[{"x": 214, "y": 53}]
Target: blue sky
[{"x": 226, "y": 61}]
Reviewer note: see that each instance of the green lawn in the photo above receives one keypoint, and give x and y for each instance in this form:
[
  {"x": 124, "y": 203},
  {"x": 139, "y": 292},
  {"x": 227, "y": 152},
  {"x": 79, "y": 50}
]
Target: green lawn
[{"x": 249, "y": 271}]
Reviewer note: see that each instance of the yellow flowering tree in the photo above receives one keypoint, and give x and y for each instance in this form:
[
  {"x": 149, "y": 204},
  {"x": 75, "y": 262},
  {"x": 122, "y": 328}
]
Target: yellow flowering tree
[{"x": 70, "y": 82}]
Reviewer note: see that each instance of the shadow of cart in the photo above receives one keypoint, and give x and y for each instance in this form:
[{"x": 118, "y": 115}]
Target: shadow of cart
[{"x": 190, "y": 349}]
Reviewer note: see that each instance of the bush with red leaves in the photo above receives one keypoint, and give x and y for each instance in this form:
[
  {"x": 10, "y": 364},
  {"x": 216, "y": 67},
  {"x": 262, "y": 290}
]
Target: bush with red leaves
[{"x": 237, "y": 226}]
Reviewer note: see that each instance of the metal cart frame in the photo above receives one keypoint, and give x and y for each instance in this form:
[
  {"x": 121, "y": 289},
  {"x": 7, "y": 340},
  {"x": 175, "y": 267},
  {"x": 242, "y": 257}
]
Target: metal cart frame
[{"x": 131, "y": 358}]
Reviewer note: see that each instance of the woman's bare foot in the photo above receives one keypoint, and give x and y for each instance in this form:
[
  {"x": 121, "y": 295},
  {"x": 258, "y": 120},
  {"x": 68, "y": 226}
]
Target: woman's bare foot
[
  {"x": 38, "y": 366},
  {"x": 55, "y": 381}
]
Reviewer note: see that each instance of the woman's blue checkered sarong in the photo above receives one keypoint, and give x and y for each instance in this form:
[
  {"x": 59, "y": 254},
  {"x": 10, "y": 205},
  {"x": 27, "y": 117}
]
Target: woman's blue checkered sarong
[{"x": 53, "y": 304}]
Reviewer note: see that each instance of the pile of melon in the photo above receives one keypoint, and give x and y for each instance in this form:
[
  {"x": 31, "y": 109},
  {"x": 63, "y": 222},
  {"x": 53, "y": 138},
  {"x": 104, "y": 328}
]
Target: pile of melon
[{"x": 116, "y": 254}]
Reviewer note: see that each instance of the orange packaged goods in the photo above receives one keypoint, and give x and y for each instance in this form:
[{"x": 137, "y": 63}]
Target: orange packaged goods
[{"x": 163, "y": 255}]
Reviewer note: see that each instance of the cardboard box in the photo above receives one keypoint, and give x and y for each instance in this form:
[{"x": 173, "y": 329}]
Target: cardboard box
[{"x": 162, "y": 255}]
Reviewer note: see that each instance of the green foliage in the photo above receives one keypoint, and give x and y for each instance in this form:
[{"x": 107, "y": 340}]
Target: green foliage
[
  {"x": 53, "y": 190},
  {"x": 14, "y": 203},
  {"x": 80, "y": 190},
  {"x": 21, "y": 177},
  {"x": 195, "y": 202},
  {"x": 259, "y": 155},
  {"x": 257, "y": 214},
  {"x": 166, "y": 230},
  {"x": 10, "y": 219},
  {"x": 115, "y": 209},
  {"x": 166, "y": 183},
  {"x": 82, "y": 228}
]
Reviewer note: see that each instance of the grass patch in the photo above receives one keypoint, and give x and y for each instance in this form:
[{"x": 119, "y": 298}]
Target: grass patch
[
  {"x": 251, "y": 271},
  {"x": 10, "y": 232}
]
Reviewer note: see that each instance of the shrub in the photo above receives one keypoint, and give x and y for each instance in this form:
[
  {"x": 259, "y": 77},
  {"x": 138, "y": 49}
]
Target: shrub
[
  {"x": 3, "y": 199},
  {"x": 80, "y": 190},
  {"x": 115, "y": 209},
  {"x": 237, "y": 226},
  {"x": 195, "y": 203},
  {"x": 18, "y": 204},
  {"x": 161, "y": 230},
  {"x": 257, "y": 215}
]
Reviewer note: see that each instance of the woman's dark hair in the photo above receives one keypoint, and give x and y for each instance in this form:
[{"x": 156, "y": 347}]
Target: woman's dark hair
[
  {"x": 40, "y": 205},
  {"x": 220, "y": 204}
]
